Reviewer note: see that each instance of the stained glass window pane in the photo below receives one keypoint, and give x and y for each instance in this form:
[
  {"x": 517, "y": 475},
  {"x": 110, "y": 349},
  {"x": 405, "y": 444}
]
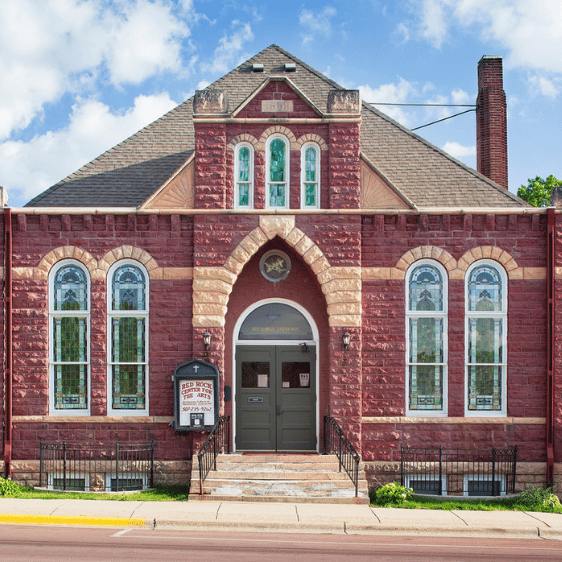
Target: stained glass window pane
[
  {"x": 70, "y": 289},
  {"x": 426, "y": 387},
  {"x": 426, "y": 340},
  {"x": 70, "y": 382},
  {"x": 128, "y": 340},
  {"x": 243, "y": 194},
  {"x": 485, "y": 289},
  {"x": 426, "y": 289},
  {"x": 128, "y": 289},
  {"x": 310, "y": 194},
  {"x": 484, "y": 387},
  {"x": 244, "y": 164},
  {"x": 128, "y": 387},
  {"x": 277, "y": 195},
  {"x": 277, "y": 161},
  {"x": 310, "y": 164}
]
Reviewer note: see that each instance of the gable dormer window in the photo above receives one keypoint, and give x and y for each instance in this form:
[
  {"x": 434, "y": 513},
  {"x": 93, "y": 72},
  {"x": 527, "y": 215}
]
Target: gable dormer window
[
  {"x": 277, "y": 172},
  {"x": 310, "y": 176},
  {"x": 244, "y": 176}
]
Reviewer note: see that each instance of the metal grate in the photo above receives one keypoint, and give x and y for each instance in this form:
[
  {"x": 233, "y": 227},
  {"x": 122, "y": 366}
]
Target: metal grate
[
  {"x": 75, "y": 466},
  {"x": 467, "y": 472}
]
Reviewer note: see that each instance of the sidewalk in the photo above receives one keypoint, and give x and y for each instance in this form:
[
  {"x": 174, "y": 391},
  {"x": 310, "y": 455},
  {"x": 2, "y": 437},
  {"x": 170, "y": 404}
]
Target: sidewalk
[{"x": 281, "y": 517}]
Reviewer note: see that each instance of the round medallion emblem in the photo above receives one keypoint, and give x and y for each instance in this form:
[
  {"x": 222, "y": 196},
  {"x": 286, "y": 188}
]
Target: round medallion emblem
[{"x": 275, "y": 265}]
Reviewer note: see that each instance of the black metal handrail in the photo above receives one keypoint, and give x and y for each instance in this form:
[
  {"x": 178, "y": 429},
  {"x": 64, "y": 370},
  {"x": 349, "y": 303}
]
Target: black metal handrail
[
  {"x": 439, "y": 471},
  {"x": 335, "y": 442},
  {"x": 83, "y": 466},
  {"x": 217, "y": 441}
]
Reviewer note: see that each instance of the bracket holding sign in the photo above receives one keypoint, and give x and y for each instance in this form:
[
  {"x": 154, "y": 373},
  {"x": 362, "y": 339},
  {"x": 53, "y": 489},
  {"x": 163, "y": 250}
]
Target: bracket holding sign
[{"x": 196, "y": 396}]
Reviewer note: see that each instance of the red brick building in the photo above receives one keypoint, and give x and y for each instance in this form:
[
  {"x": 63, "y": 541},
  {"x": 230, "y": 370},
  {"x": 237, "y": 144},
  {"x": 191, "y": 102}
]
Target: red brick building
[{"x": 278, "y": 212}]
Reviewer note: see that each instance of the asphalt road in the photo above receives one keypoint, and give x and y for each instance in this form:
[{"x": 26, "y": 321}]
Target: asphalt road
[{"x": 85, "y": 544}]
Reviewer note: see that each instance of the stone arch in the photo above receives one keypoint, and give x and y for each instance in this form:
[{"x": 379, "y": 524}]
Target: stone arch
[
  {"x": 281, "y": 130},
  {"x": 131, "y": 252},
  {"x": 488, "y": 252},
  {"x": 310, "y": 137},
  {"x": 341, "y": 285},
  {"x": 245, "y": 137},
  {"x": 426, "y": 252},
  {"x": 67, "y": 252}
]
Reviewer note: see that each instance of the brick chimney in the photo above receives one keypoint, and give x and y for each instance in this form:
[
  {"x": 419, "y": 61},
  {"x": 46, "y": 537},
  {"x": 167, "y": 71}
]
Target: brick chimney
[{"x": 491, "y": 121}]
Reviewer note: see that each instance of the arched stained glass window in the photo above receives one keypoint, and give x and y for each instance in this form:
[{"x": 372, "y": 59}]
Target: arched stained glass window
[
  {"x": 310, "y": 176},
  {"x": 128, "y": 318},
  {"x": 277, "y": 180},
  {"x": 426, "y": 312},
  {"x": 244, "y": 177},
  {"x": 69, "y": 349},
  {"x": 486, "y": 338}
]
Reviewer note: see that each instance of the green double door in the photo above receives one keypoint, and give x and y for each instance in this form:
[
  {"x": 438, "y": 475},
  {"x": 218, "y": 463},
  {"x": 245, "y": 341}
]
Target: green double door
[{"x": 275, "y": 398}]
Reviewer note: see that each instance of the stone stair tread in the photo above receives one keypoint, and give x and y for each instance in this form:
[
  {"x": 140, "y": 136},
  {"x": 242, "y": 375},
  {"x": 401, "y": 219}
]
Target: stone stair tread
[{"x": 269, "y": 476}]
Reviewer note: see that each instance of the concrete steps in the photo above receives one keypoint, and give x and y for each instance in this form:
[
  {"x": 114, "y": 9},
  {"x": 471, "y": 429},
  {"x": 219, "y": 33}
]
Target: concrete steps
[{"x": 302, "y": 478}]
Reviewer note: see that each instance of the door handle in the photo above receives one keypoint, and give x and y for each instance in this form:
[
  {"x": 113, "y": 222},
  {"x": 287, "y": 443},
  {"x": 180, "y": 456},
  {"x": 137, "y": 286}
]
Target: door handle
[{"x": 278, "y": 409}]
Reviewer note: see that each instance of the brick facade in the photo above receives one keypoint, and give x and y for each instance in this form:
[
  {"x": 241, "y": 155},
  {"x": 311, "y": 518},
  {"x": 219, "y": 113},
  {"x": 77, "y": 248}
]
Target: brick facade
[{"x": 349, "y": 271}]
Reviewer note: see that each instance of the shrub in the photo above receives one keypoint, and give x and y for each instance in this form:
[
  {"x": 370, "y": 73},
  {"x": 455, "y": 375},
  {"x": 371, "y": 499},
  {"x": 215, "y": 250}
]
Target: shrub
[
  {"x": 392, "y": 494},
  {"x": 9, "y": 489},
  {"x": 539, "y": 499}
]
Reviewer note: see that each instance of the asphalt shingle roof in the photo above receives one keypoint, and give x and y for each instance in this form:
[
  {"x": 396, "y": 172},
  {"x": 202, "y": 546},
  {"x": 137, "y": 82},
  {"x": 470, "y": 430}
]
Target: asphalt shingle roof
[{"x": 128, "y": 174}]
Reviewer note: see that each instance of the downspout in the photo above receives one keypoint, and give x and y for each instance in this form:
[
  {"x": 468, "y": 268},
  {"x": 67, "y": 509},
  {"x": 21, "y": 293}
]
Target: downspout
[
  {"x": 8, "y": 429},
  {"x": 550, "y": 344}
]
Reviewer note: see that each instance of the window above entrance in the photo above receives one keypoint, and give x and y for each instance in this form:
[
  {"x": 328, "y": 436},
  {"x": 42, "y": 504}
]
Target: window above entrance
[{"x": 275, "y": 321}]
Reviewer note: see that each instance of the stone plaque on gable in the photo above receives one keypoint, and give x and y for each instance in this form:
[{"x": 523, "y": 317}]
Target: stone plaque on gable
[
  {"x": 344, "y": 101},
  {"x": 210, "y": 102},
  {"x": 277, "y": 106}
]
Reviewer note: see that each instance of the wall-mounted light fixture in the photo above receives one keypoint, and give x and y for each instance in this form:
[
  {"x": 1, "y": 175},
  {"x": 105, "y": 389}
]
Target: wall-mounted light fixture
[
  {"x": 345, "y": 339},
  {"x": 207, "y": 341}
]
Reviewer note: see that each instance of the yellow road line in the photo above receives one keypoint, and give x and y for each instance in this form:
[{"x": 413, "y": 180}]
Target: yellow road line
[{"x": 71, "y": 520}]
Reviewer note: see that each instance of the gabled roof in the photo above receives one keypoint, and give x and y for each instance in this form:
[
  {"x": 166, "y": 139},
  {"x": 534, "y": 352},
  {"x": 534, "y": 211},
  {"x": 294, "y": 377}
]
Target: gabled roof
[{"x": 131, "y": 172}]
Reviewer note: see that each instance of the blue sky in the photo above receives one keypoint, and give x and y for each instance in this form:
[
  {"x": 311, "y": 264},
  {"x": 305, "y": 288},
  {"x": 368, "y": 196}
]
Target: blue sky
[{"x": 79, "y": 76}]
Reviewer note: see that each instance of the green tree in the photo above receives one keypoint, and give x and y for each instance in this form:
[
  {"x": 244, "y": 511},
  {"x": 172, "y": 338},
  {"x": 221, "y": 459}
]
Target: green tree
[{"x": 537, "y": 191}]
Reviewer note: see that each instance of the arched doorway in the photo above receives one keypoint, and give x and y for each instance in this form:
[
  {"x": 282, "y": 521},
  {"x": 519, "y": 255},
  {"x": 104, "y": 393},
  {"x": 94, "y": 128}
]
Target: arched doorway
[{"x": 275, "y": 378}]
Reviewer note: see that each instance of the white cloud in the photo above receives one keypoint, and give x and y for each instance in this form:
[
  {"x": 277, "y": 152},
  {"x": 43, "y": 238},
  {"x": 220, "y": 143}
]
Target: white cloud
[
  {"x": 459, "y": 151},
  {"x": 390, "y": 93},
  {"x": 229, "y": 48},
  {"x": 28, "y": 168},
  {"x": 51, "y": 47},
  {"x": 545, "y": 86},
  {"x": 319, "y": 22},
  {"x": 529, "y": 31}
]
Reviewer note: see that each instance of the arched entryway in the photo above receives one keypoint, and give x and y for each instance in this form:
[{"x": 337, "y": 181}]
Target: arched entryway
[{"x": 275, "y": 378}]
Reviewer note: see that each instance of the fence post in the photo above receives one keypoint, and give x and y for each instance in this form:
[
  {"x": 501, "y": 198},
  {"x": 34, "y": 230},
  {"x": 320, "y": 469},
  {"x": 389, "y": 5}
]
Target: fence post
[
  {"x": 402, "y": 465},
  {"x": 494, "y": 472},
  {"x": 441, "y": 470},
  {"x": 152, "y": 464},
  {"x": 40, "y": 464},
  {"x": 64, "y": 466},
  {"x": 117, "y": 467}
]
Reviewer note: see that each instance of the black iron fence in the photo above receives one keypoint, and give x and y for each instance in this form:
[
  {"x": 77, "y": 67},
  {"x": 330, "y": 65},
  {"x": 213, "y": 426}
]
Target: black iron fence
[
  {"x": 83, "y": 467},
  {"x": 335, "y": 442},
  {"x": 217, "y": 441},
  {"x": 467, "y": 472}
]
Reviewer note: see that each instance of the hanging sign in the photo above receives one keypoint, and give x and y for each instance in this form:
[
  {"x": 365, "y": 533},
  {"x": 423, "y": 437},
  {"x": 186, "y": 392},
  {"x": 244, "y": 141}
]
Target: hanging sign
[{"x": 196, "y": 389}]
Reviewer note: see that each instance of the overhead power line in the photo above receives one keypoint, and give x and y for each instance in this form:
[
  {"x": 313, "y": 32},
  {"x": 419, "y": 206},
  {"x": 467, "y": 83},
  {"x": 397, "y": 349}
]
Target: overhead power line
[{"x": 472, "y": 108}]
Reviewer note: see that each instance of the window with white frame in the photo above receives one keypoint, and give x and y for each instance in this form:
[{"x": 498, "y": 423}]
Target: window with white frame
[
  {"x": 69, "y": 310},
  {"x": 486, "y": 338},
  {"x": 310, "y": 176},
  {"x": 244, "y": 176},
  {"x": 128, "y": 339},
  {"x": 277, "y": 172},
  {"x": 426, "y": 341}
]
